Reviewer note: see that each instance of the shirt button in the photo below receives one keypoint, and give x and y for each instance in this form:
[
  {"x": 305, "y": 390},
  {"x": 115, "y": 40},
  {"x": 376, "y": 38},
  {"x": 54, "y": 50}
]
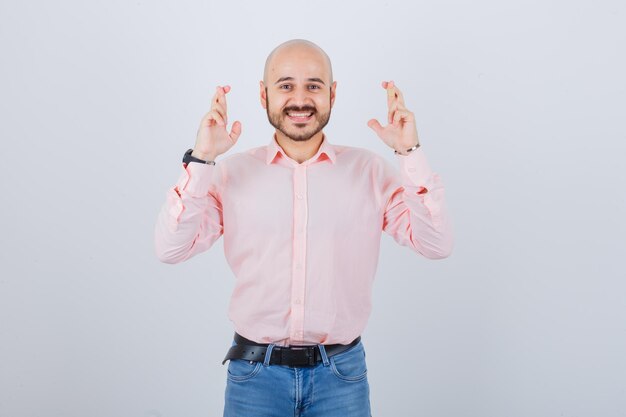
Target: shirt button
[
  {"x": 297, "y": 301},
  {"x": 299, "y": 196}
]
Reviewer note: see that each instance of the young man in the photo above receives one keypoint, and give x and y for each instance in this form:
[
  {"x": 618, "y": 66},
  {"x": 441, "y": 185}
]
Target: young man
[{"x": 302, "y": 220}]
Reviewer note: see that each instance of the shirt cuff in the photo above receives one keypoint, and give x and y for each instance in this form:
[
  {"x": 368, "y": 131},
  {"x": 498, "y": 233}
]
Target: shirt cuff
[
  {"x": 196, "y": 178},
  {"x": 415, "y": 169}
]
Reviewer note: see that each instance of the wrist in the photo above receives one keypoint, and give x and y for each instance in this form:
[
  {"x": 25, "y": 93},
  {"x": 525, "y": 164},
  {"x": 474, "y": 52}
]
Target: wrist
[
  {"x": 203, "y": 156},
  {"x": 407, "y": 151},
  {"x": 188, "y": 158}
]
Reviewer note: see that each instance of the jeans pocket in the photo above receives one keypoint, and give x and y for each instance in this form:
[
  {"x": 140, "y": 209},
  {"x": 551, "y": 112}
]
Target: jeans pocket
[
  {"x": 349, "y": 365},
  {"x": 242, "y": 369}
]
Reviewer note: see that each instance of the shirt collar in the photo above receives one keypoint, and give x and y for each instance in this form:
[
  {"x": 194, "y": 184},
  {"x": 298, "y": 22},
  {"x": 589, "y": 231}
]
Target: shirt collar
[{"x": 325, "y": 148}]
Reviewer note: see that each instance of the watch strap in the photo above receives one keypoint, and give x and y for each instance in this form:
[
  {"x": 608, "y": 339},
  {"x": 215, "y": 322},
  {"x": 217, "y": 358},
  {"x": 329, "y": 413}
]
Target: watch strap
[{"x": 187, "y": 158}]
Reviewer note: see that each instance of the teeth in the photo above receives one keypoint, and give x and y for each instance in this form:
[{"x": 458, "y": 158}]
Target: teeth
[{"x": 299, "y": 114}]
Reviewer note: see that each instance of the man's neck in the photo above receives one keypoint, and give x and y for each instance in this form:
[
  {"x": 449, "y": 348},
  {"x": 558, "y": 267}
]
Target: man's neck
[{"x": 302, "y": 150}]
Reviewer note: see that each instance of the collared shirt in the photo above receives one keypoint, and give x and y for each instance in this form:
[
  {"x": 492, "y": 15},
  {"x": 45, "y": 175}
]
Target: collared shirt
[{"x": 303, "y": 239}]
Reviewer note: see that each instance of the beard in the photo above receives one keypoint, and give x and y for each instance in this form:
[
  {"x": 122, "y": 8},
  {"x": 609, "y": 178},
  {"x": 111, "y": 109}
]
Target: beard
[{"x": 299, "y": 131}]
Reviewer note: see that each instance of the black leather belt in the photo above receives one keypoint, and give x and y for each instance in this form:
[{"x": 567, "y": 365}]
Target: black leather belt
[{"x": 283, "y": 355}]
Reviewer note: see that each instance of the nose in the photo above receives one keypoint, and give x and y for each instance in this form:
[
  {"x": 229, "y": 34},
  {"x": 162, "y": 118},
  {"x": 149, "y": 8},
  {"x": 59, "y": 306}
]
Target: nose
[{"x": 301, "y": 97}]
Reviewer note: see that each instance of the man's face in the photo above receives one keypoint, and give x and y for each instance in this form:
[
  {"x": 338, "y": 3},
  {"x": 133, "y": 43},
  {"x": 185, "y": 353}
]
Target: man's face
[{"x": 298, "y": 98}]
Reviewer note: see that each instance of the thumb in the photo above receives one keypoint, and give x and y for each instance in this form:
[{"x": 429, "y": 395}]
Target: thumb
[
  {"x": 376, "y": 127},
  {"x": 235, "y": 131}
]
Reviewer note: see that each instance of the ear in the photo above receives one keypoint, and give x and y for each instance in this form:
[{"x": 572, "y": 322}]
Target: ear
[
  {"x": 262, "y": 94},
  {"x": 332, "y": 93}
]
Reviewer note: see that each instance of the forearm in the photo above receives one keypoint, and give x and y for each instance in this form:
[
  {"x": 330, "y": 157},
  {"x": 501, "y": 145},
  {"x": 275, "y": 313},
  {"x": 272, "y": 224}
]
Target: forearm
[
  {"x": 417, "y": 214},
  {"x": 190, "y": 219},
  {"x": 424, "y": 194}
]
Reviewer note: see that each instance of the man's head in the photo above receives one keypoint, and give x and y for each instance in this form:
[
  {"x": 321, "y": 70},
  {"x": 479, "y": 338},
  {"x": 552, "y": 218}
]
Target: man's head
[{"x": 298, "y": 79}]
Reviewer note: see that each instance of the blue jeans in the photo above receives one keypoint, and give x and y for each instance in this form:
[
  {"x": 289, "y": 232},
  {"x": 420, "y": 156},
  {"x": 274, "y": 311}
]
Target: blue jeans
[{"x": 336, "y": 387}]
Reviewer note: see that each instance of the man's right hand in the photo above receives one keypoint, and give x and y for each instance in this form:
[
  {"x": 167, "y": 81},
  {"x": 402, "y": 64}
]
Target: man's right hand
[{"x": 213, "y": 139}]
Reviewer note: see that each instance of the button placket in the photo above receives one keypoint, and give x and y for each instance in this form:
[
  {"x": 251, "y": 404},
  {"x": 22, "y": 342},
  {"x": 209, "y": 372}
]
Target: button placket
[{"x": 298, "y": 283}]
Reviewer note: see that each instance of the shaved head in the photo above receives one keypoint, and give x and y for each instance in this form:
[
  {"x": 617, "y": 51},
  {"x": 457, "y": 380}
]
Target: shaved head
[{"x": 295, "y": 47}]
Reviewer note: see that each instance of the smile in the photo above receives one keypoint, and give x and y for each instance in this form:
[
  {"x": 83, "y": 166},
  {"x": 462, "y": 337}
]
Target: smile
[{"x": 302, "y": 117}]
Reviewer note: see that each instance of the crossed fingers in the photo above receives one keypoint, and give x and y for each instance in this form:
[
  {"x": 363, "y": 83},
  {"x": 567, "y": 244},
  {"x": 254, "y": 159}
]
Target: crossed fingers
[
  {"x": 218, "y": 106},
  {"x": 395, "y": 100}
]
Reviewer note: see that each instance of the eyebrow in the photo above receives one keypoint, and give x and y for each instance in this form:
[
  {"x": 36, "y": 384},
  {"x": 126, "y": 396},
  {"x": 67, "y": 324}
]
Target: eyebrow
[{"x": 317, "y": 80}]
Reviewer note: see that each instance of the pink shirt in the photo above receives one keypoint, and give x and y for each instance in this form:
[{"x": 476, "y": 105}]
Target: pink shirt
[{"x": 303, "y": 239}]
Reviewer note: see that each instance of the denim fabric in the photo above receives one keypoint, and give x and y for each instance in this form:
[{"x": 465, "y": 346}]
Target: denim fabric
[{"x": 336, "y": 387}]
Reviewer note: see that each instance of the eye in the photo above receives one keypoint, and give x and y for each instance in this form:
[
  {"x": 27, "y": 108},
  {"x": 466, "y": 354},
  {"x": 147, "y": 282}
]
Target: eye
[
  {"x": 316, "y": 86},
  {"x": 284, "y": 85}
]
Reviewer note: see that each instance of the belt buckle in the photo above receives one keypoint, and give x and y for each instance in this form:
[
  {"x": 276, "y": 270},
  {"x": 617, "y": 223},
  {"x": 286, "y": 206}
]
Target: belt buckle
[{"x": 309, "y": 352}]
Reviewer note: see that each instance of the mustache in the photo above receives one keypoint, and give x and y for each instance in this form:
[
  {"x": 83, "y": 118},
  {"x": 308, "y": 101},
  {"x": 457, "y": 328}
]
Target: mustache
[{"x": 300, "y": 109}]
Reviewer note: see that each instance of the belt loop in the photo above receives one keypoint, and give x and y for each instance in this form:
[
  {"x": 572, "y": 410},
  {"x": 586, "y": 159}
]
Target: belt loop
[
  {"x": 324, "y": 356},
  {"x": 268, "y": 354}
]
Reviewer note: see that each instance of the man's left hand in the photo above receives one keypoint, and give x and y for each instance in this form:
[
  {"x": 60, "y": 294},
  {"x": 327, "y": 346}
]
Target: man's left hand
[{"x": 401, "y": 132}]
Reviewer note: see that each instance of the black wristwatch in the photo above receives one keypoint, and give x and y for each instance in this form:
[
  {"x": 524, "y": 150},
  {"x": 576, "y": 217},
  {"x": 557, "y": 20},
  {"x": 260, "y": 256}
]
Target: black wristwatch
[{"x": 187, "y": 158}]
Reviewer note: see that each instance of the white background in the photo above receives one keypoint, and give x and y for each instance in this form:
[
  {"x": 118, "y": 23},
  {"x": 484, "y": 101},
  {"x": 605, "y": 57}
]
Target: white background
[{"x": 520, "y": 108}]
